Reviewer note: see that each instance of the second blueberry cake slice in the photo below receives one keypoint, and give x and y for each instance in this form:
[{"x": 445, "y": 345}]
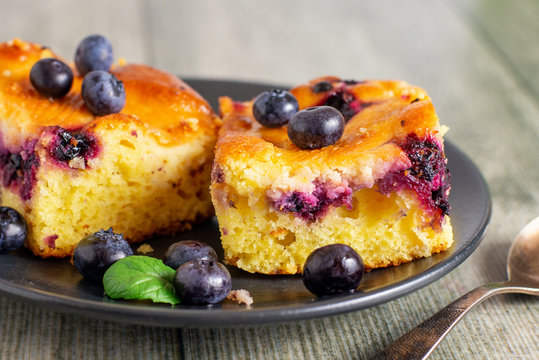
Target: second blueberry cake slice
[
  {"x": 382, "y": 188},
  {"x": 144, "y": 171}
]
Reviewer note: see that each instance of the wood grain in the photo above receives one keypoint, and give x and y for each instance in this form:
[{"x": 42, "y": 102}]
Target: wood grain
[{"x": 478, "y": 61}]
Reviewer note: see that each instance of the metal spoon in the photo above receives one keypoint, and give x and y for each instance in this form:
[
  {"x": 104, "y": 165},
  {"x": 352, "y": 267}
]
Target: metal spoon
[{"x": 523, "y": 277}]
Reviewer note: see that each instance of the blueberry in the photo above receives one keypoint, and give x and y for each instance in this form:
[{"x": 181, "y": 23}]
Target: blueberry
[
  {"x": 202, "y": 282},
  {"x": 181, "y": 252},
  {"x": 70, "y": 145},
  {"x": 95, "y": 253},
  {"x": 93, "y": 53},
  {"x": 103, "y": 93},
  {"x": 346, "y": 103},
  {"x": 322, "y": 86},
  {"x": 51, "y": 78},
  {"x": 13, "y": 229},
  {"x": 274, "y": 108},
  {"x": 333, "y": 269},
  {"x": 316, "y": 127}
]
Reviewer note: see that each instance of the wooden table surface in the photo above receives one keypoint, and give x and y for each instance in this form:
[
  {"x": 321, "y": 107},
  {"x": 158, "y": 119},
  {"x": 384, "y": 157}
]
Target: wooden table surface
[{"x": 479, "y": 61}]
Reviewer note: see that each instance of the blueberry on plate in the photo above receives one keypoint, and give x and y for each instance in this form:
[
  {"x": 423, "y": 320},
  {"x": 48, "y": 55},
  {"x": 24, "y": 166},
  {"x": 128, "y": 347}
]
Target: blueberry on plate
[
  {"x": 51, "y": 77},
  {"x": 95, "y": 253},
  {"x": 202, "y": 282},
  {"x": 274, "y": 108},
  {"x": 93, "y": 53},
  {"x": 316, "y": 127},
  {"x": 333, "y": 269},
  {"x": 13, "y": 229},
  {"x": 181, "y": 252},
  {"x": 103, "y": 93}
]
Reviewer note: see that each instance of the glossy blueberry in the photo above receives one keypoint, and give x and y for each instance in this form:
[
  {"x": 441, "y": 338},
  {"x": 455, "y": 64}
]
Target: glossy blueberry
[
  {"x": 181, "y": 252},
  {"x": 51, "y": 78},
  {"x": 274, "y": 108},
  {"x": 333, "y": 269},
  {"x": 316, "y": 127},
  {"x": 103, "y": 93},
  {"x": 13, "y": 229},
  {"x": 93, "y": 53},
  {"x": 202, "y": 282},
  {"x": 95, "y": 253}
]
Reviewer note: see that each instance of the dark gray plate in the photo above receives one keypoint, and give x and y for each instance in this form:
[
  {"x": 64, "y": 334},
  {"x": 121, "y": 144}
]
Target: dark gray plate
[{"x": 55, "y": 284}]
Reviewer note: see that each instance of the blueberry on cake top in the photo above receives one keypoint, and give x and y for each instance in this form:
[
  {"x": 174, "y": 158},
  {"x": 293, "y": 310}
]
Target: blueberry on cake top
[
  {"x": 142, "y": 171},
  {"x": 382, "y": 188}
]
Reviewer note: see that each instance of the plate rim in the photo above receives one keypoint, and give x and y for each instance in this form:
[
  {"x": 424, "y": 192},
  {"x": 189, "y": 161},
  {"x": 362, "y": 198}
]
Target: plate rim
[{"x": 198, "y": 317}]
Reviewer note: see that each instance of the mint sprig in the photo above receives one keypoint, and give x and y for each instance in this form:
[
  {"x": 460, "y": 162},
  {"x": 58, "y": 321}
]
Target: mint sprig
[{"x": 141, "y": 277}]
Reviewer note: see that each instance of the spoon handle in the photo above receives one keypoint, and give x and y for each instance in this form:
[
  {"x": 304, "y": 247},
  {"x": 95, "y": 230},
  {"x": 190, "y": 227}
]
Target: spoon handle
[{"x": 419, "y": 342}]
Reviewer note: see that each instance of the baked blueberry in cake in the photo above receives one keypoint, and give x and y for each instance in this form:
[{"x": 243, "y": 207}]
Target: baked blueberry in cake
[
  {"x": 381, "y": 187},
  {"x": 142, "y": 171}
]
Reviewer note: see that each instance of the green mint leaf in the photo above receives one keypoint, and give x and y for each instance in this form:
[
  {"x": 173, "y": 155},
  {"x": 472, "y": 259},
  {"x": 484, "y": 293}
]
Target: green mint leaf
[{"x": 141, "y": 277}]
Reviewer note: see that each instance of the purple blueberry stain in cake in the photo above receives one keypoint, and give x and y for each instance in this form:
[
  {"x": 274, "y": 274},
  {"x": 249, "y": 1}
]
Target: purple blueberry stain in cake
[
  {"x": 30, "y": 165},
  {"x": 312, "y": 206},
  {"x": 50, "y": 241},
  {"x": 18, "y": 168},
  {"x": 65, "y": 146},
  {"x": 217, "y": 175},
  {"x": 428, "y": 175}
]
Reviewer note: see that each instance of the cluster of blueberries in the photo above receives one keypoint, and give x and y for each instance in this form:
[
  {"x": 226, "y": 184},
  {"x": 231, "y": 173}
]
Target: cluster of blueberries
[
  {"x": 200, "y": 278},
  {"x": 311, "y": 128},
  {"x": 101, "y": 91}
]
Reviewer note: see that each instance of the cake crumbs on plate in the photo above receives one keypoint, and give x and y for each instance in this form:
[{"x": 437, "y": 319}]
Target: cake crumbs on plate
[
  {"x": 145, "y": 249},
  {"x": 241, "y": 296}
]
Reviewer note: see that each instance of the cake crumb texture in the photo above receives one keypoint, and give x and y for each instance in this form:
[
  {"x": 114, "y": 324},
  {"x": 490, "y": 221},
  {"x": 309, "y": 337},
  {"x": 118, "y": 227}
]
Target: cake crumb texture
[{"x": 241, "y": 296}]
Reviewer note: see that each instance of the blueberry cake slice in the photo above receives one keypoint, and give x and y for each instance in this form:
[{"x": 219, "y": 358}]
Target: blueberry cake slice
[
  {"x": 143, "y": 171},
  {"x": 381, "y": 189}
]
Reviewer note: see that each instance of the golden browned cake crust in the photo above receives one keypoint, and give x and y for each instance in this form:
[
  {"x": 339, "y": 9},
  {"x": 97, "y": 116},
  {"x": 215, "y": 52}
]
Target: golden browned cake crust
[
  {"x": 382, "y": 188},
  {"x": 171, "y": 99},
  {"x": 147, "y": 174},
  {"x": 371, "y": 137}
]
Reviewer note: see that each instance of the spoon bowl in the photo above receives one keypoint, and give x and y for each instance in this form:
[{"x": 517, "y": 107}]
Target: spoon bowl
[
  {"x": 523, "y": 259},
  {"x": 523, "y": 277}
]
